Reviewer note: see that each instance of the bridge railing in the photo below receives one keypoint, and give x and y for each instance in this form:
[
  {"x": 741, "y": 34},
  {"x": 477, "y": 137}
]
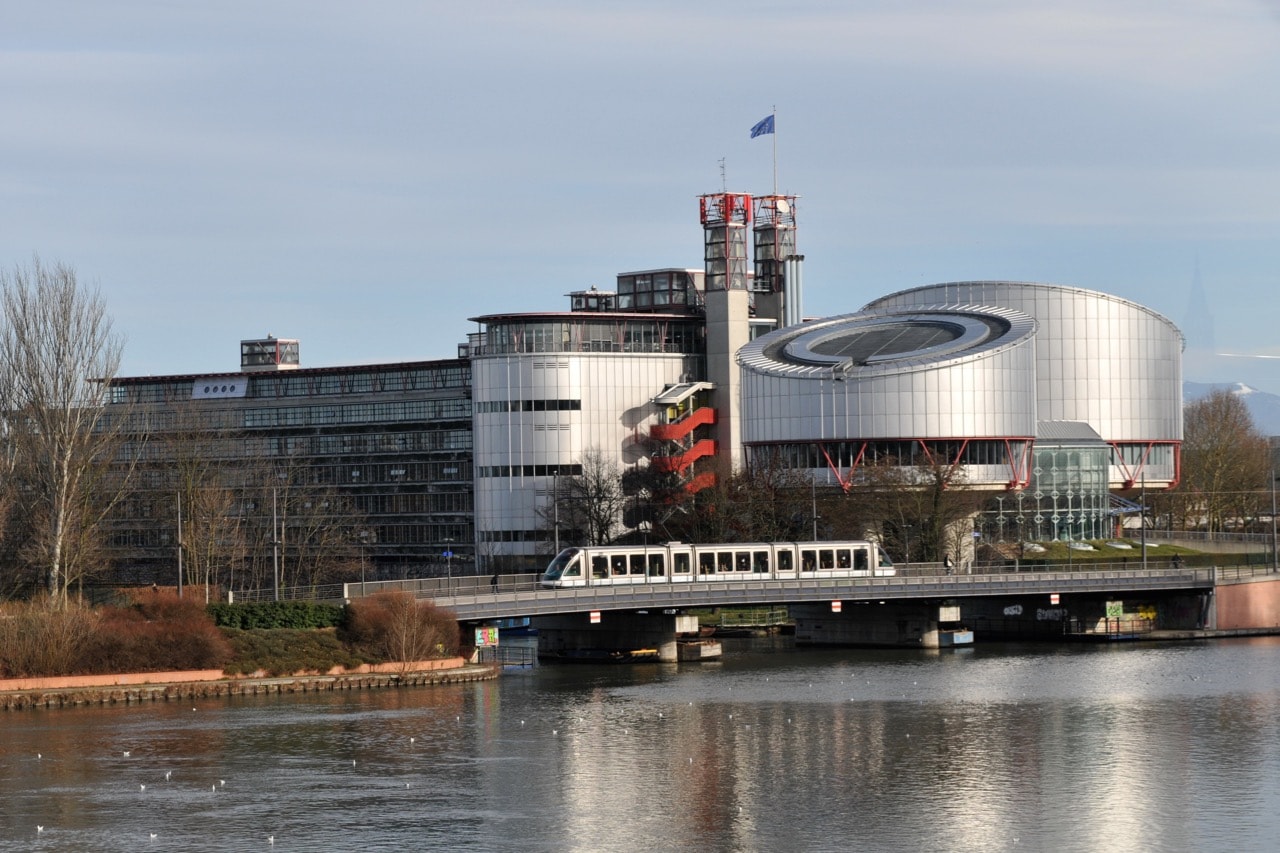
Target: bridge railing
[{"x": 910, "y": 575}]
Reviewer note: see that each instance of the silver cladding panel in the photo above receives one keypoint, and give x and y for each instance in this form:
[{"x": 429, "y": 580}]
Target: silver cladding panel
[
  {"x": 974, "y": 384},
  {"x": 614, "y": 389},
  {"x": 1109, "y": 362}
]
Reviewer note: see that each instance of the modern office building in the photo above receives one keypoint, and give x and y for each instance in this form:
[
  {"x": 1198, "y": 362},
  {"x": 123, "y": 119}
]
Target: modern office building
[
  {"x": 1100, "y": 360},
  {"x": 393, "y": 442},
  {"x": 1050, "y": 398},
  {"x": 1055, "y": 395}
]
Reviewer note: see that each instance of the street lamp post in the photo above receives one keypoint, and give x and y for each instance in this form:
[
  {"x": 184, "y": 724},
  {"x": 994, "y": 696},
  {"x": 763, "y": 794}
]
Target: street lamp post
[
  {"x": 1275, "y": 548},
  {"x": 364, "y": 545},
  {"x": 275, "y": 549},
  {"x": 1142, "y": 517},
  {"x": 448, "y": 561},
  {"x": 813, "y": 498}
]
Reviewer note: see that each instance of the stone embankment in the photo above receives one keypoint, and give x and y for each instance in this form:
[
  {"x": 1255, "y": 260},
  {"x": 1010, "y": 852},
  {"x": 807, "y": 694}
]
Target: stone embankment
[{"x": 141, "y": 688}]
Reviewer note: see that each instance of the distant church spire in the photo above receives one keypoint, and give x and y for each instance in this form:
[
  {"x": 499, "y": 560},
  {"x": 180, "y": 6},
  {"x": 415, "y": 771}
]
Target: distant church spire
[{"x": 1198, "y": 325}]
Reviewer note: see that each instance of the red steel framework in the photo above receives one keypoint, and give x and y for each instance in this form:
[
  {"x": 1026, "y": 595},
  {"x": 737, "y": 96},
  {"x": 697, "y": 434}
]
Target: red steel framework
[{"x": 1017, "y": 457}]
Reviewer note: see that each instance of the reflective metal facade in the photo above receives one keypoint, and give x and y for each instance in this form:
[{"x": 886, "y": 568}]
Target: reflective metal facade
[
  {"x": 537, "y": 414},
  {"x": 1101, "y": 360},
  {"x": 1069, "y": 354},
  {"x": 936, "y": 373}
]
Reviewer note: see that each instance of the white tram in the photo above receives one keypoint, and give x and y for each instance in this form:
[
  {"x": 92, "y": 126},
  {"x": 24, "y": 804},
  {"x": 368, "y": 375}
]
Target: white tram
[{"x": 678, "y": 562}]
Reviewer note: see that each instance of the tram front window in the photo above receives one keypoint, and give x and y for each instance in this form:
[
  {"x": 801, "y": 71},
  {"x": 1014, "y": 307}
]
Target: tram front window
[{"x": 565, "y": 565}]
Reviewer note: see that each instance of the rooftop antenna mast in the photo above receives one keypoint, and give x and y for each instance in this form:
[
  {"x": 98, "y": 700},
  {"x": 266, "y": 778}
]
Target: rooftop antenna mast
[{"x": 724, "y": 184}]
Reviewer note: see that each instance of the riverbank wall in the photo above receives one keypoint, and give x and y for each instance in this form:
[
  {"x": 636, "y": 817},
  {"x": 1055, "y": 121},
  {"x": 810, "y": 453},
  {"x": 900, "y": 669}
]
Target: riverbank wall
[{"x": 143, "y": 688}]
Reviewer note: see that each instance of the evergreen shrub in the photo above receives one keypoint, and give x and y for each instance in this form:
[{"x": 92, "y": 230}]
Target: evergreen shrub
[
  {"x": 286, "y": 651},
  {"x": 298, "y": 615}
]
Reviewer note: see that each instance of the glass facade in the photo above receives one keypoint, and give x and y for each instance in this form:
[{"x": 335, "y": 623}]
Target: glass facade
[
  {"x": 396, "y": 440},
  {"x": 588, "y": 333},
  {"x": 1069, "y": 498},
  {"x": 671, "y": 290}
]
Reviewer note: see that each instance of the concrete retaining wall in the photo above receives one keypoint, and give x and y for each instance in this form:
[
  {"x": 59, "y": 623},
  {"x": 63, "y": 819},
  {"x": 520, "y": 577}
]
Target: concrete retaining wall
[
  {"x": 1249, "y": 603},
  {"x": 138, "y": 688}
]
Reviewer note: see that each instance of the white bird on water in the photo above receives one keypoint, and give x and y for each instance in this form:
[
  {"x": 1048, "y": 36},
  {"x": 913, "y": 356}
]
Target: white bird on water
[
  {"x": 167, "y": 775},
  {"x": 142, "y": 787},
  {"x": 126, "y": 753},
  {"x": 39, "y": 829}
]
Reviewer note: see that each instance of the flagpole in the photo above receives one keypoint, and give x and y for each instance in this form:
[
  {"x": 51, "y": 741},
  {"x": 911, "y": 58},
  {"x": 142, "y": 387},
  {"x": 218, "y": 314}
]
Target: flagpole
[{"x": 775, "y": 149}]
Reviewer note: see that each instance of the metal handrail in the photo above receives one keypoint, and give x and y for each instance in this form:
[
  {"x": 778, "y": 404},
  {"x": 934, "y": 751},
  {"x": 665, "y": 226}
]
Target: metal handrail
[{"x": 521, "y": 595}]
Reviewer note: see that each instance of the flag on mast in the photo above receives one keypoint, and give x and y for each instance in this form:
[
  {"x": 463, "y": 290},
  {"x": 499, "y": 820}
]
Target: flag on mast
[{"x": 763, "y": 126}]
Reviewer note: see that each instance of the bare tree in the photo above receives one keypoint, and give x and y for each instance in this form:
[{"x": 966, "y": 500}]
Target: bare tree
[
  {"x": 762, "y": 503},
  {"x": 57, "y": 354},
  {"x": 921, "y": 511},
  {"x": 588, "y": 507},
  {"x": 1225, "y": 467}
]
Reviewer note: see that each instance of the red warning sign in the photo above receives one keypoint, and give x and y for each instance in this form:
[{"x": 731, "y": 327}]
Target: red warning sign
[
  {"x": 595, "y": 617},
  {"x": 1053, "y": 598},
  {"x": 835, "y": 607}
]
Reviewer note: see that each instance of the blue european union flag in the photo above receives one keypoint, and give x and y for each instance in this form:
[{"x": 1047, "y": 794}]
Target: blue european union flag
[{"x": 763, "y": 126}]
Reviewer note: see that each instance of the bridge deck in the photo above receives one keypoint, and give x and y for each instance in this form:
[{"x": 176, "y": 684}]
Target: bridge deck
[{"x": 477, "y": 603}]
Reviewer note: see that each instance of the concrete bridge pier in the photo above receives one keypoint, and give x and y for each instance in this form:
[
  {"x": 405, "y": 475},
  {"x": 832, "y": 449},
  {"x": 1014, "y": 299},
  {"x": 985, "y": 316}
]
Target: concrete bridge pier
[
  {"x": 619, "y": 635},
  {"x": 904, "y": 624}
]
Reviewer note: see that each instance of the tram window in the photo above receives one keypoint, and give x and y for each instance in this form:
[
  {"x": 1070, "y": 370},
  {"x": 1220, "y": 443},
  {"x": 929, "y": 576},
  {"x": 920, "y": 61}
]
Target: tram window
[
  {"x": 826, "y": 559},
  {"x": 842, "y": 558},
  {"x": 599, "y": 567},
  {"x": 785, "y": 562},
  {"x": 619, "y": 564},
  {"x": 574, "y": 570},
  {"x": 743, "y": 560},
  {"x": 637, "y": 564},
  {"x": 724, "y": 561},
  {"x": 860, "y": 560},
  {"x": 680, "y": 564},
  {"x": 808, "y": 560},
  {"x": 760, "y": 561},
  {"x": 656, "y": 566},
  {"x": 706, "y": 564}
]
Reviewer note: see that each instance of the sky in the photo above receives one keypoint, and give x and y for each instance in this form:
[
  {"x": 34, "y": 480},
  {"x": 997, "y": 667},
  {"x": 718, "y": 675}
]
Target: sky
[{"x": 365, "y": 177}]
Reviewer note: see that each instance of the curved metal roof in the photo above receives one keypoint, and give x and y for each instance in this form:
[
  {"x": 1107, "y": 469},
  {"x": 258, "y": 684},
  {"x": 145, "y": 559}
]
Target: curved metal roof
[{"x": 892, "y": 341}]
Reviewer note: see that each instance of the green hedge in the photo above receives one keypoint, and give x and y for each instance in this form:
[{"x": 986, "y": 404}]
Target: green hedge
[{"x": 300, "y": 615}]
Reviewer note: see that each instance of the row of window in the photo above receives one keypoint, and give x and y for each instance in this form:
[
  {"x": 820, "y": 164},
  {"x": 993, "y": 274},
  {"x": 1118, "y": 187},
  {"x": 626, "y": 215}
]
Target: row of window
[
  {"x": 360, "y": 444},
  {"x": 530, "y": 470},
  {"x": 417, "y": 473},
  {"x": 711, "y": 562},
  {"x": 362, "y": 382},
  {"x": 424, "y": 378},
  {"x": 490, "y": 406},
  {"x": 517, "y": 535},
  {"x": 434, "y": 539},
  {"x": 595, "y": 335},
  {"x": 416, "y": 503},
  {"x": 358, "y": 413}
]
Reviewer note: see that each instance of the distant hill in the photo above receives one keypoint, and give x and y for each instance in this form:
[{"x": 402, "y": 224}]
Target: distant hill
[{"x": 1263, "y": 406}]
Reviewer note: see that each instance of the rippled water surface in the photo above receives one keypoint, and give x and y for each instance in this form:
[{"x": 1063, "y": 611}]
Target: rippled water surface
[{"x": 1000, "y": 747}]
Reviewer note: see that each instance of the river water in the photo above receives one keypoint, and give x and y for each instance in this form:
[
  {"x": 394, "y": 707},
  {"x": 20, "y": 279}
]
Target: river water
[{"x": 999, "y": 747}]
